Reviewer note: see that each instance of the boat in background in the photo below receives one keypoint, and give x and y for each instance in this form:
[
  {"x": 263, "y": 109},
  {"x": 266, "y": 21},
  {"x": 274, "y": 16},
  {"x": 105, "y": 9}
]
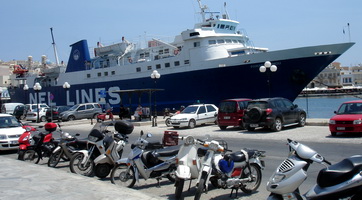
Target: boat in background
[{"x": 208, "y": 63}]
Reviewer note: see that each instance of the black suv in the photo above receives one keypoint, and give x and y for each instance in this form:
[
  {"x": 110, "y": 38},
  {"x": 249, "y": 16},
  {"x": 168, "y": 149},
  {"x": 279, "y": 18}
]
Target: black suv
[{"x": 273, "y": 113}]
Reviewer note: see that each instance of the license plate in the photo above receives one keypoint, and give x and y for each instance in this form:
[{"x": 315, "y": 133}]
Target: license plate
[
  {"x": 14, "y": 142},
  {"x": 227, "y": 117},
  {"x": 254, "y": 125},
  {"x": 341, "y": 128}
]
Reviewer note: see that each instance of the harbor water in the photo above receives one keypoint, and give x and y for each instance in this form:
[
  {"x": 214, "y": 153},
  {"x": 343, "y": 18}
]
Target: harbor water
[{"x": 322, "y": 107}]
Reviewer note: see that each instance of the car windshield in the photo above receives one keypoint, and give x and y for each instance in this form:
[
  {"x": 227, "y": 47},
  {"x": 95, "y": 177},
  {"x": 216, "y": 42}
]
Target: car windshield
[
  {"x": 227, "y": 107},
  {"x": 350, "y": 108},
  {"x": 73, "y": 107},
  {"x": 10, "y": 121},
  {"x": 190, "y": 110},
  {"x": 259, "y": 104}
]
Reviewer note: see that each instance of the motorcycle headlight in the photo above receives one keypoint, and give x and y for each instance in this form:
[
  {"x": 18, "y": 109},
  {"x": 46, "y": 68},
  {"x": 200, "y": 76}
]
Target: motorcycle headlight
[
  {"x": 189, "y": 140},
  {"x": 332, "y": 121},
  {"x": 358, "y": 121},
  {"x": 92, "y": 138},
  {"x": 214, "y": 146},
  {"x": 277, "y": 178}
]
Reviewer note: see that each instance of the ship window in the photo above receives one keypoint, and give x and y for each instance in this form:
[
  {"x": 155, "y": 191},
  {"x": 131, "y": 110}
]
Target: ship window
[
  {"x": 196, "y": 44},
  {"x": 222, "y": 26},
  {"x": 235, "y": 41},
  {"x": 149, "y": 67},
  {"x": 228, "y": 41},
  {"x": 113, "y": 72},
  {"x": 187, "y": 62},
  {"x": 212, "y": 41},
  {"x": 160, "y": 52},
  {"x": 227, "y": 27},
  {"x": 167, "y": 51},
  {"x": 99, "y": 74},
  {"x": 220, "y": 41},
  {"x": 105, "y": 73},
  {"x": 194, "y": 34},
  {"x": 167, "y": 65},
  {"x": 88, "y": 75},
  {"x": 240, "y": 41},
  {"x": 138, "y": 69},
  {"x": 177, "y": 63},
  {"x": 232, "y": 28},
  {"x": 142, "y": 55},
  {"x": 147, "y": 54},
  {"x": 218, "y": 26},
  {"x": 158, "y": 66}
]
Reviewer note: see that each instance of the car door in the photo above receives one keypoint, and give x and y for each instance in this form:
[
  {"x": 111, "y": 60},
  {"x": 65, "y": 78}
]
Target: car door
[
  {"x": 201, "y": 115},
  {"x": 81, "y": 112},
  {"x": 211, "y": 114},
  {"x": 290, "y": 113},
  {"x": 89, "y": 109}
]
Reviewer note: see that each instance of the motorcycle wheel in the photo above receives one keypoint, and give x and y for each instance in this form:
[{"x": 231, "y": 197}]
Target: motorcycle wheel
[
  {"x": 102, "y": 170},
  {"x": 31, "y": 156},
  {"x": 201, "y": 186},
  {"x": 121, "y": 177},
  {"x": 172, "y": 175},
  {"x": 255, "y": 173},
  {"x": 77, "y": 167},
  {"x": 54, "y": 158},
  {"x": 179, "y": 186}
]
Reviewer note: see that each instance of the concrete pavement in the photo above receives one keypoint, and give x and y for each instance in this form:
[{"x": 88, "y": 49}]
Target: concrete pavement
[{"x": 22, "y": 180}]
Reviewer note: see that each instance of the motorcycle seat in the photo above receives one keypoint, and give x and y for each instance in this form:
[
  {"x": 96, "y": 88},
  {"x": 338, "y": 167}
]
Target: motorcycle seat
[
  {"x": 340, "y": 172},
  {"x": 169, "y": 151},
  {"x": 240, "y": 157}
]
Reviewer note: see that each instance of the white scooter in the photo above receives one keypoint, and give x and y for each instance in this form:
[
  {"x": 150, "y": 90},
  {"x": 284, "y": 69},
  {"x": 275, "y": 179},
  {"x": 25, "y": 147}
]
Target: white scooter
[
  {"x": 147, "y": 164},
  {"x": 342, "y": 180},
  {"x": 188, "y": 163}
]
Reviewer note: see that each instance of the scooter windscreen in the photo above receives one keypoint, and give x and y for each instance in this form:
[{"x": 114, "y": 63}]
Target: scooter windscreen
[
  {"x": 95, "y": 135},
  {"x": 304, "y": 151}
]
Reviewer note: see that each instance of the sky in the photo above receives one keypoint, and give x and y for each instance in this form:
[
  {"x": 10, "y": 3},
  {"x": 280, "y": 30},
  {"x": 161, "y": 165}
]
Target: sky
[{"x": 277, "y": 24}]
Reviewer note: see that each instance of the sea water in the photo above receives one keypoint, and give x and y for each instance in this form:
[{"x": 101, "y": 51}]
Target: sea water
[{"x": 322, "y": 107}]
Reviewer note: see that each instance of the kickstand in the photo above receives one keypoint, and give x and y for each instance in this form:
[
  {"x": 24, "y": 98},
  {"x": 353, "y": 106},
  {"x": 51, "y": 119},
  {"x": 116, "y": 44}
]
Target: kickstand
[
  {"x": 158, "y": 182},
  {"x": 190, "y": 184},
  {"x": 236, "y": 192}
]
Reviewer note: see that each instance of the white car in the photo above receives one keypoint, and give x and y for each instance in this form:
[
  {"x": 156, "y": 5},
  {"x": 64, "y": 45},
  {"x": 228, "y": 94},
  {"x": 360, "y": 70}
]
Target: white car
[
  {"x": 10, "y": 131},
  {"x": 194, "y": 115},
  {"x": 33, "y": 115}
]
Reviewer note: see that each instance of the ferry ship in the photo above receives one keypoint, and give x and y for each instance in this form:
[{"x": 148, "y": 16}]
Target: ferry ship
[{"x": 208, "y": 63}]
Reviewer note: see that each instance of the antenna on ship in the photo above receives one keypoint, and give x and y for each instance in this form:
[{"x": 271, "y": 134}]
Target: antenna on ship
[
  {"x": 226, "y": 12},
  {"x": 202, "y": 8},
  {"x": 55, "y": 49}
]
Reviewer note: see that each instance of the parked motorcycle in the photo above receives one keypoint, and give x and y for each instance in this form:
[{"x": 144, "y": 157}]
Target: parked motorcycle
[
  {"x": 147, "y": 164},
  {"x": 108, "y": 115},
  {"x": 342, "y": 180},
  {"x": 104, "y": 149},
  {"x": 26, "y": 139},
  {"x": 43, "y": 144},
  {"x": 67, "y": 147},
  {"x": 238, "y": 170}
]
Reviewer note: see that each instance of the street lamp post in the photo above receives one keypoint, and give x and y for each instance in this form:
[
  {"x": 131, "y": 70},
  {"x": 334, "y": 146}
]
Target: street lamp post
[
  {"x": 1, "y": 99},
  {"x": 37, "y": 88},
  {"x": 155, "y": 75},
  {"x": 26, "y": 89},
  {"x": 66, "y": 86},
  {"x": 272, "y": 68}
]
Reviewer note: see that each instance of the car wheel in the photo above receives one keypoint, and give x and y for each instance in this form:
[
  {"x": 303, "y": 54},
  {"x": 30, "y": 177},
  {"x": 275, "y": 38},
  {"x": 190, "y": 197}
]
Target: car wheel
[
  {"x": 42, "y": 119},
  {"x": 250, "y": 128},
  {"x": 222, "y": 127},
  {"x": 277, "y": 126},
  {"x": 95, "y": 116},
  {"x": 254, "y": 114},
  {"x": 192, "y": 123},
  {"x": 71, "y": 118},
  {"x": 334, "y": 134},
  {"x": 302, "y": 120}
]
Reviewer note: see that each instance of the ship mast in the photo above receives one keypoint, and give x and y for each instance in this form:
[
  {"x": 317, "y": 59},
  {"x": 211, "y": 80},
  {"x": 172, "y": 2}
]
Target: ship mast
[
  {"x": 55, "y": 49},
  {"x": 202, "y": 8}
]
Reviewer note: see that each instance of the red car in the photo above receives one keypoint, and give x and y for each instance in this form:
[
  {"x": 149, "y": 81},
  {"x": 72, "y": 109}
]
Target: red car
[
  {"x": 348, "y": 118},
  {"x": 231, "y": 112}
]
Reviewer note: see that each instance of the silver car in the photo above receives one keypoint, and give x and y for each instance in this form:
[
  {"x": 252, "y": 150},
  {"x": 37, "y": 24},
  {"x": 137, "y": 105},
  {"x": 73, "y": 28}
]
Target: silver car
[{"x": 81, "y": 111}]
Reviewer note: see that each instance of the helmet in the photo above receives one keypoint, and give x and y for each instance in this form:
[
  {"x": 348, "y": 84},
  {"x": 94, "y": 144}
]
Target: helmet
[
  {"x": 50, "y": 127},
  {"x": 226, "y": 166},
  {"x": 123, "y": 127}
]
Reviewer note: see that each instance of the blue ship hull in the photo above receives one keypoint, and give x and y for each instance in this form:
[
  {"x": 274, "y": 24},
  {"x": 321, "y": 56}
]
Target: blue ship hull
[{"x": 206, "y": 86}]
